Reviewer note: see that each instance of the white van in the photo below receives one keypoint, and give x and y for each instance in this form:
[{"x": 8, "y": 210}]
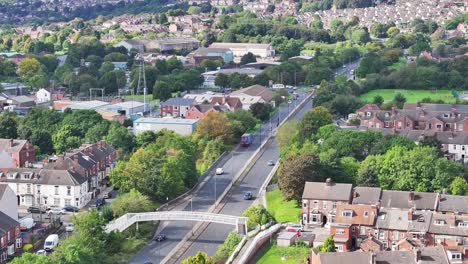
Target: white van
[{"x": 51, "y": 242}]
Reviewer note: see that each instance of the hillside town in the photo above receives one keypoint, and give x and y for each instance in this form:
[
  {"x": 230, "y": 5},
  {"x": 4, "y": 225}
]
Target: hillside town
[{"x": 234, "y": 131}]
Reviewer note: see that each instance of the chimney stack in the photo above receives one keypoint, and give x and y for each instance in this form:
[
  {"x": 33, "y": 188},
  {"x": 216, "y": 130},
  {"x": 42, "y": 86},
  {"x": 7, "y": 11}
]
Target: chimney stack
[
  {"x": 411, "y": 196},
  {"x": 373, "y": 258},
  {"x": 410, "y": 214},
  {"x": 328, "y": 182},
  {"x": 12, "y": 143},
  {"x": 60, "y": 157},
  {"x": 393, "y": 110},
  {"x": 417, "y": 255}
]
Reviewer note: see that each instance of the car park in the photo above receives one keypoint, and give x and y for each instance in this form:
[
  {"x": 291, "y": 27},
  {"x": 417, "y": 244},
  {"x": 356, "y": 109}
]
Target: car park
[{"x": 247, "y": 196}]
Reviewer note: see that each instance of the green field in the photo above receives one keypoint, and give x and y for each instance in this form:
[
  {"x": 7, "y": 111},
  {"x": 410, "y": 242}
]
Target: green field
[
  {"x": 292, "y": 255},
  {"x": 284, "y": 212},
  {"x": 140, "y": 97},
  {"x": 412, "y": 96}
]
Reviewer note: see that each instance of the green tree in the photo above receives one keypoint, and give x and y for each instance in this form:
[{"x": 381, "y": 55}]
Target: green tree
[
  {"x": 162, "y": 90},
  {"x": 97, "y": 132},
  {"x": 248, "y": 58},
  {"x": 241, "y": 120},
  {"x": 313, "y": 120},
  {"x": 145, "y": 138},
  {"x": 66, "y": 138},
  {"x": 119, "y": 137},
  {"x": 295, "y": 171},
  {"x": 28, "y": 258},
  {"x": 29, "y": 69},
  {"x": 255, "y": 214},
  {"x": 378, "y": 100},
  {"x": 459, "y": 186},
  {"x": 43, "y": 141},
  {"x": 229, "y": 245},
  {"x": 222, "y": 80},
  {"x": 199, "y": 258},
  {"x": 8, "y": 125},
  {"x": 399, "y": 100},
  {"x": 214, "y": 125},
  {"x": 328, "y": 245},
  {"x": 368, "y": 172},
  {"x": 113, "y": 81},
  {"x": 131, "y": 202},
  {"x": 260, "y": 110}
]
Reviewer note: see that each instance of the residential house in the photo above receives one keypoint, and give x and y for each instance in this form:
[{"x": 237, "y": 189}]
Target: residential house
[
  {"x": 202, "y": 110},
  {"x": 354, "y": 223},
  {"x": 43, "y": 96},
  {"x": 453, "y": 204},
  {"x": 8, "y": 202},
  {"x": 408, "y": 200},
  {"x": 91, "y": 161},
  {"x": 16, "y": 153},
  {"x": 39, "y": 187},
  {"x": 11, "y": 242},
  {"x": 253, "y": 94},
  {"x": 320, "y": 201},
  {"x": 449, "y": 230},
  {"x": 227, "y": 102},
  {"x": 176, "y": 107},
  {"x": 366, "y": 195},
  {"x": 391, "y": 227},
  {"x": 240, "y": 49}
]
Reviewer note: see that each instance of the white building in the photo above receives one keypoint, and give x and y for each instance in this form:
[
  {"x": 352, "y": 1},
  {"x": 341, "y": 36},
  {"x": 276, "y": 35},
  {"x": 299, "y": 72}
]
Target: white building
[
  {"x": 43, "y": 96},
  {"x": 181, "y": 126},
  {"x": 38, "y": 187},
  {"x": 210, "y": 76},
  {"x": 8, "y": 201},
  {"x": 240, "y": 49},
  {"x": 128, "y": 108}
]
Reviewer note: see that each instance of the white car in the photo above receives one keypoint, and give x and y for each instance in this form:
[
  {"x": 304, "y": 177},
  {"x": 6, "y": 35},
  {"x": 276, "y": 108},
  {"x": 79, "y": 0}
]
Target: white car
[
  {"x": 41, "y": 252},
  {"x": 70, "y": 227},
  {"x": 219, "y": 171},
  {"x": 56, "y": 210}
]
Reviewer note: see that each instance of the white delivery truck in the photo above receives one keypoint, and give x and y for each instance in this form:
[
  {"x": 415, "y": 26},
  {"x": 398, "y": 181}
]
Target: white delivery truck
[{"x": 51, "y": 242}]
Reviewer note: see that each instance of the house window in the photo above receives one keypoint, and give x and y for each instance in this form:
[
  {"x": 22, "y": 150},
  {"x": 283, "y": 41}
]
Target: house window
[
  {"x": 331, "y": 218},
  {"x": 446, "y": 115},
  {"x": 56, "y": 190},
  {"x": 8, "y": 236},
  {"x": 347, "y": 213},
  {"x": 28, "y": 188},
  {"x": 362, "y": 231},
  {"x": 38, "y": 188},
  {"x": 447, "y": 125},
  {"x": 366, "y": 214},
  {"x": 439, "y": 126},
  {"x": 395, "y": 235},
  {"x": 18, "y": 243},
  {"x": 324, "y": 204},
  {"x": 304, "y": 218},
  {"x": 339, "y": 248},
  {"x": 316, "y": 218},
  {"x": 56, "y": 201},
  {"x": 304, "y": 205},
  {"x": 68, "y": 190},
  {"x": 334, "y": 205},
  {"x": 368, "y": 114},
  {"x": 315, "y": 204},
  {"x": 381, "y": 235},
  {"x": 340, "y": 231},
  {"x": 67, "y": 202},
  {"x": 454, "y": 146},
  {"x": 463, "y": 224},
  {"x": 386, "y": 124},
  {"x": 456, "y": 255}
]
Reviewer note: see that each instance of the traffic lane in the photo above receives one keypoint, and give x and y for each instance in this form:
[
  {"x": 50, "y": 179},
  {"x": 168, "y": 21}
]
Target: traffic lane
[
  {"x": 204, "y": 198},
  {"x": 216, "y": 234}
]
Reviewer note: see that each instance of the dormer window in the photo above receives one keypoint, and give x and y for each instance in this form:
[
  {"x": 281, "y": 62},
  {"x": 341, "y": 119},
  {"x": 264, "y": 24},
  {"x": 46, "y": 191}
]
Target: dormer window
[
  {"x": 463, "y": 224},
  {"x": 421, "y": 219},
  {"x": 368, "y": 114},
  {"x": 366, "y": 214},
  {"x": 446, "y": 115},
  {"x": 440, "y": 222},
  {"x": 387, "y": 114},
  {"x": 347, "y": 213}
]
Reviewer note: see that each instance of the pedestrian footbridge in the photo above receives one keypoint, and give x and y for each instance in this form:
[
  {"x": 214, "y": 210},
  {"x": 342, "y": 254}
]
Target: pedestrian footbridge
[{"x": 127, "y": 220}]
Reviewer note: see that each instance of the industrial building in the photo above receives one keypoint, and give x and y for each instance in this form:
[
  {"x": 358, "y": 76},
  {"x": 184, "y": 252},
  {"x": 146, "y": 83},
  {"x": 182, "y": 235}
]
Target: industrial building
[
  {"x": 183, "y": 127},
  {"x": 163, "y": 45},
  {"x": 128, "y": 108},
  {"x": 240, "y": 49}
]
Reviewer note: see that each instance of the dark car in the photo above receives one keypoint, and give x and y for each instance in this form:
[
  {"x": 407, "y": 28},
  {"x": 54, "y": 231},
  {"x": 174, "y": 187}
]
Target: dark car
[
  {"x": 35, "y": 210},
  {"x": 160, "y": 238},
  {"x": 248, "y": 196},
  {"x": 100, "y": 202},
  {"x": 107, "y": 195},
  {"x": 70, "y": 208}
]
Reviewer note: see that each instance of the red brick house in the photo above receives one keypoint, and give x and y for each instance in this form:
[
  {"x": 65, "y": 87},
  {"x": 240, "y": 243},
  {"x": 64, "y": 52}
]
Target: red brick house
[
  {"x": 176, "y": 107},
  {"x": 10, "y": 238},
  {"x": 320, "y": 201},
  {"x": 201, "y": 111},
  {"x": 230, "y": 103},
  {"x": 15, "y": 153}
]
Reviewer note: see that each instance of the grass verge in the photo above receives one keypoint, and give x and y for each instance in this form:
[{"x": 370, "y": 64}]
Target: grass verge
[
  {"x": 282, "y": 210},
  {"x": 292, "y": 255},
  {"x": 412, "y": 96}
]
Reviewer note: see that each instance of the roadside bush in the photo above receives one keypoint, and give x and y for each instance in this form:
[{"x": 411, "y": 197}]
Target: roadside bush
[
  {"x": 257, "y": 215},
  {"x": 27, "y": 247},
  {"x": 227, "y": 248}
]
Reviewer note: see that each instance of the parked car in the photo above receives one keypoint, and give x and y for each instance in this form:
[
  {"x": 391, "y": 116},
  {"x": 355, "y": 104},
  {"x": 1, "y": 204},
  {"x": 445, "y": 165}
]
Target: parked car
[
  {"x": 107, "y": 195},
  {"x": 92, "y": 207},
  {"x": 69, "y": 227},
  {"x": 100, "y": 202},
  {"x": 70, "y": 208},
  {"x": 56, "y": 210},
  {"x": 294, "y": 228},
  {"x": 219, "y": 171},
  {"x": 36, "y": 210},
  {"x": 41, "y": 252},
  {"x": 271, "y": 163},
  {"x": 51, "y": 242},
  {"x": 247, "y": 196},
  {"x": 160, "y": 238}
]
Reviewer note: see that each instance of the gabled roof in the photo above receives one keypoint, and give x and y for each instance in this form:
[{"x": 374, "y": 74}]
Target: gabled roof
[
  {"x": 453, "y": 203},
  {"x": 255, "y": 90},
  {"x": 368, "y": 107},
  {"x": 361, "y": 214},
  {"x": 179, "y": 101},
  {"x": 395, "y": 219},
  {"x": 366, "y": 195},
  {"x": 6, "y": 223},
  {"x": 447, "y": 224},
  {"x": 323, "y": 191},
  {"x": 43, "y": 176},
  {"x": 401, "y": 199},
  {"x": 17, "y": 145}
]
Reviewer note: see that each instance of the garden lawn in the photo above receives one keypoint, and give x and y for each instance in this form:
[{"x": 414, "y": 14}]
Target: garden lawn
[
  {"x": 412, "y": 96},
  {"x": 293, "y": 255},
  {"x": 283, "y": 211},
  {"x": 397, "y": 65}
]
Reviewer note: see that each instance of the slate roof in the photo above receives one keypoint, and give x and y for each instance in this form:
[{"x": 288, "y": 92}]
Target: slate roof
[
  {"x": 43, "y": 176},
  {"x": 3, "y": 188},
  {"x": 395, "y": 257},
  {"x": 448, "y": 228},
  {"x": 6, "y": 223},
  {"x": 400, "y": 199},
  {"x": 395, "y": 219},
  {"x": 366, "y": 195},
  {"x": 17, "y": 145},
  {"x": 420, "y": 222},
  {"x": 453, "y": 203},
  {"x": 320, "y": 191},
  {"x": 355, "y": 257},
  {"x": 358, "y": 216},
  {"x": 179, "y": 101},
  {"x": 256, "y": 90}
]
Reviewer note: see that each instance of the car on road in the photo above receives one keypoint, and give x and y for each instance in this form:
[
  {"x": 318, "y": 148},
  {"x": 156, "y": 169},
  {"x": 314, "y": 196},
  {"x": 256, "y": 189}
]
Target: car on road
[
  {"x": 219, "y": 171},
  {"x": 344, "y": 66},
  {"x": 107, "y": 195},
  {"x": 100, "y": 202},
  {"x": 70, "y": 227},
  {"x": 271, "y": 163},
  {"x": 51, "y": 242},
  {"x": 247, "y": 196},
  {"x": 160, "y": 238},
  {"x": 36, "y": 210},
  {"x": 70, "y": 208},
  {"x": 41, "y": 252}
]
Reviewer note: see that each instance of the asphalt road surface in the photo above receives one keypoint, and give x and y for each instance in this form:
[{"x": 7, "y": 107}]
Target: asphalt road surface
[
  {"x": 214, "y": 187},
  {"x": 215, "y": 234},
  {"x": 348, "y": 69}
]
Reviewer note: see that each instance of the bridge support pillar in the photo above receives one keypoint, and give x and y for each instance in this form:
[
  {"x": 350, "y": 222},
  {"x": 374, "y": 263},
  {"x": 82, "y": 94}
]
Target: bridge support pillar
[{"x": 241, "y": 229}]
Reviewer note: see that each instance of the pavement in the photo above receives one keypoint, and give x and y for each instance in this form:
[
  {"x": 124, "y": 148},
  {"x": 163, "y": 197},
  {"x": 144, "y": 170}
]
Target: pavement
[{"x": 205, "y": 197}]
